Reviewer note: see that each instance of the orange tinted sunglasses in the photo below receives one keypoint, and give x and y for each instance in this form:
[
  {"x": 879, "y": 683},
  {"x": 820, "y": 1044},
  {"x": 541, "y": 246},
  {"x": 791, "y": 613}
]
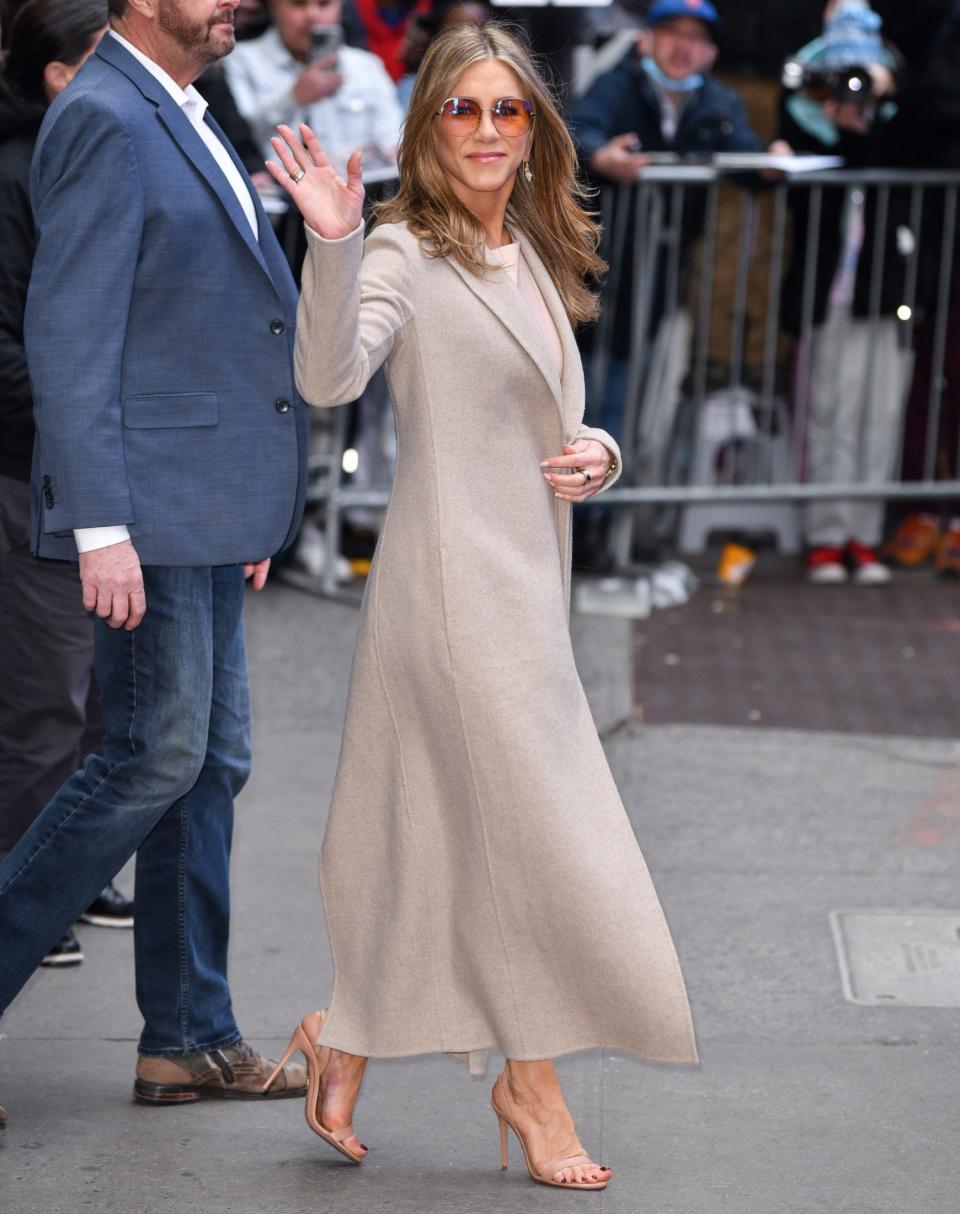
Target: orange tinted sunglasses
[{"x": 461, "y": 115}]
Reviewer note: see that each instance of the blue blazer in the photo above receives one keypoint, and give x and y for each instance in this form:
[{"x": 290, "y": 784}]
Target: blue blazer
[{"x": 159, "y": 335}]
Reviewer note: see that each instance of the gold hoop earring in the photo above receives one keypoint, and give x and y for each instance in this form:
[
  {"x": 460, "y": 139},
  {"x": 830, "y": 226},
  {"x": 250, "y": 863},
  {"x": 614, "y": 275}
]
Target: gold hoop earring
[{"x": 528, "y": 175}]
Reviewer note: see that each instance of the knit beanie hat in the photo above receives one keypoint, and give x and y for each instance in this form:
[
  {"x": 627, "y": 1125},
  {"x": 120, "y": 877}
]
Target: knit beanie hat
[{"x": 850, "y": 37}]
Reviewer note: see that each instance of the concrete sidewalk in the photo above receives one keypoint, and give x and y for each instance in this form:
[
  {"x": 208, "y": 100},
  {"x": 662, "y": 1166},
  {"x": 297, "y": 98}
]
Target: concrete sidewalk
[{"x": 803, "y": 1102}]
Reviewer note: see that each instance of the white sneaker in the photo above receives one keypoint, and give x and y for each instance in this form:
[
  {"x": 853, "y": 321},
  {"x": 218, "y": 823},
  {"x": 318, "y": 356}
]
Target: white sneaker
[
  {"x": 825, "y": 567},
  {"x": 871, "y": 573},
  {"x": 867, "y": 570}
]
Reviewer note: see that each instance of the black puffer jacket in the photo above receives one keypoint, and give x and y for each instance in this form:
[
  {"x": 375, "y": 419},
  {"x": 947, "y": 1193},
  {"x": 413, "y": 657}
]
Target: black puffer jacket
[
  {"x": 19, "y": 124},
  {"x": 859, "y": 151}
]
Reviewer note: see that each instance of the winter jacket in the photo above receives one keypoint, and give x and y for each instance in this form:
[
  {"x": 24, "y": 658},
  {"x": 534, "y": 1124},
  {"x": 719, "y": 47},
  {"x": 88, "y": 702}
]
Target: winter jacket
[
  {"x": 858, "y": 151},
  {"x": 623, "y": 100}
]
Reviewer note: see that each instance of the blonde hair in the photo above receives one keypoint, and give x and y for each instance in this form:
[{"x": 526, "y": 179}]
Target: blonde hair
[{"x": 548, "y": 210}]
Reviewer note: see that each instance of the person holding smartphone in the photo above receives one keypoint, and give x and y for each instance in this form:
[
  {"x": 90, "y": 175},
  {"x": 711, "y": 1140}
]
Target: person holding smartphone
[{"x": 300, "y": 71}]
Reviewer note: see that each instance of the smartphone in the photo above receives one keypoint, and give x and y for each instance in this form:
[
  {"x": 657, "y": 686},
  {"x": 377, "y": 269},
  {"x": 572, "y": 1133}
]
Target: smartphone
[{"x": 325, "y": 40}]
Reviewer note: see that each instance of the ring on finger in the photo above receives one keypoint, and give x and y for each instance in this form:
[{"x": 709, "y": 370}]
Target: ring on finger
[
  {"x": 587, "y": 478},
  {"x": 298, "y": 176}
]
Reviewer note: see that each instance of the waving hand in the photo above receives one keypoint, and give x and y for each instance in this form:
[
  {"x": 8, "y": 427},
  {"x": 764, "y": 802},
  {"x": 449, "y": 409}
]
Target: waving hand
[{"x": 331, "y": 206}]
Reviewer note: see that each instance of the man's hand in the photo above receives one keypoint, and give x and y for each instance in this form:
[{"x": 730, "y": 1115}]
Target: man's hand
[
  {"x": 316, "y": 81},
  {"x": 617, "y": 160},
  {"x": 113, "y": 585},
  {"x": 258, "y": 570}
]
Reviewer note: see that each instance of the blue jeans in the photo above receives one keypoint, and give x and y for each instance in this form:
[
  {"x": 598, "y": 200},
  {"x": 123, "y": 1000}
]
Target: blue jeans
[{"x": 176, "y": 752}]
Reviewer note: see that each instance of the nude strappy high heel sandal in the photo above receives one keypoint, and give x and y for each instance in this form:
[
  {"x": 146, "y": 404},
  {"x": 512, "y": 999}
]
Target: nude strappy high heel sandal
[
  {"x": 542, "y": 1173},
  {"x": 317, "y": 1057}
]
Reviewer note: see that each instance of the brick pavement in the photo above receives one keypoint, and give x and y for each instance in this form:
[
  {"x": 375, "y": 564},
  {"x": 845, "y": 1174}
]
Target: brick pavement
[{"x": 781, "y": 653}]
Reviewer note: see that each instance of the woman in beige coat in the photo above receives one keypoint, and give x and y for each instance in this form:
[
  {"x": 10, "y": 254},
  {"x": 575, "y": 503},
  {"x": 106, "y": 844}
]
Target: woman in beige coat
[{"x": 481, "y": 882}]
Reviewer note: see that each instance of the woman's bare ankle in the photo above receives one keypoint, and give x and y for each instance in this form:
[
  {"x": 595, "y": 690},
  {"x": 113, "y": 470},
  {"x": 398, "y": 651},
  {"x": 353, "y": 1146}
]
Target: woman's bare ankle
[
  {"x": 536, "y": 1081},
  {"x": 347, "y": 1063}
]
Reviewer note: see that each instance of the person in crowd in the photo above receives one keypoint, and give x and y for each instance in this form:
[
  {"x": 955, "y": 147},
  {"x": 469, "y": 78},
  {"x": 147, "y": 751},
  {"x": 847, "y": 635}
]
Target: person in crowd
[
  {"x": 386, "y": 27},
  {"x": 170, "y": 460},
  {"x": 661, "y": 97},
  {"x": 925, "y": 134},
  {"x": 345, "y": 95},
  {"x": 251, "y": 19},
  {"x": 49, "y": 707},
  {"x": 555, "y": 31},
  {"x": 859, "y": 367},
  {"x": 458, "y": 811},
  {"x": 424, "y": 27}
]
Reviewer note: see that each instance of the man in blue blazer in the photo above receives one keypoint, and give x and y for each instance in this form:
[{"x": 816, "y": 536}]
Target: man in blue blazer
[{"x": 170, "y": 458}]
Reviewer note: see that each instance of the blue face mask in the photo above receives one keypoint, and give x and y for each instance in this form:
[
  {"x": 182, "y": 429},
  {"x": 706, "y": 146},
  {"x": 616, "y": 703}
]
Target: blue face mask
[{"x": 687, "y": 84}]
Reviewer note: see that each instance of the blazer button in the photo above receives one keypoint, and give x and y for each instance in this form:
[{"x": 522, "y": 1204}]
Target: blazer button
[
  {"x": 281, "y": 405},
  {"x": 277, "y": 327}
]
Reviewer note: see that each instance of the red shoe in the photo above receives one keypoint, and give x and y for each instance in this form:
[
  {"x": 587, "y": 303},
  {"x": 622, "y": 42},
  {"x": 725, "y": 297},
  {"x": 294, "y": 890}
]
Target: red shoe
[
  {"x": 948, "y": 551},
  {"x": 914, "y": 541},
  {"x": 825, "y": 567},
  {"x": 867, "y": 569}
]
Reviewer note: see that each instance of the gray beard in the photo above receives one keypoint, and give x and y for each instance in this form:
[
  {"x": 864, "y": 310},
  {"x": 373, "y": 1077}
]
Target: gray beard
[{"x": 189, "y": 36}]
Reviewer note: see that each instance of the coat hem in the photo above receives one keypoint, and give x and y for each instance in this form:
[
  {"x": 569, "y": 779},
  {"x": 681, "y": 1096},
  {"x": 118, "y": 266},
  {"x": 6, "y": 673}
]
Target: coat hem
[{"x": 692, "y": 1059}]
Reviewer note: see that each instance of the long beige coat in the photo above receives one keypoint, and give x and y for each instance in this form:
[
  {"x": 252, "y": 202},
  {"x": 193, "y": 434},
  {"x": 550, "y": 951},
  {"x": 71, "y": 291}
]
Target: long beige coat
[{"x": 481, "y": 881}]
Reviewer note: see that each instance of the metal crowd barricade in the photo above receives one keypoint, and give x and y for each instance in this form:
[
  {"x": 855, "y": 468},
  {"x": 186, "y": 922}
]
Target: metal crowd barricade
[
  {"x": 645, "y": 232},
  {"x": 709, "y": 423}
]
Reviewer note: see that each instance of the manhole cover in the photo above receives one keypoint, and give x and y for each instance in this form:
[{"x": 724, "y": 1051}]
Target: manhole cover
[{"x": 905, "y": 958}]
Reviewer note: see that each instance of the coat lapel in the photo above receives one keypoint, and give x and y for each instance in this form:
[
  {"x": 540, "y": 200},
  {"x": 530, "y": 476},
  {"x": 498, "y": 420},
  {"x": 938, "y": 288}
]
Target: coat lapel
[
  {"x": 572, "y": 389},
  {"x": 511, "y": 309},
  {"x": 197, "y": 153}
]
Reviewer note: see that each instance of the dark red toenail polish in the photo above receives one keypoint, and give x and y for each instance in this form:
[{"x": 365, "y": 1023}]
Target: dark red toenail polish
[{"x": 364, "y": 1147}]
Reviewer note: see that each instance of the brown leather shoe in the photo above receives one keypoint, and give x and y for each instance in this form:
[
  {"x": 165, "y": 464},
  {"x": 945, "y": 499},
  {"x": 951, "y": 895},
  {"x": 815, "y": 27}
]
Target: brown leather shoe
[{"x": 236, "y": 1072}]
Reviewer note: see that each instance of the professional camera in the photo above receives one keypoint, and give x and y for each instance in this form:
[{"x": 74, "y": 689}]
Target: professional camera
[{"x": 850, "y": 85}]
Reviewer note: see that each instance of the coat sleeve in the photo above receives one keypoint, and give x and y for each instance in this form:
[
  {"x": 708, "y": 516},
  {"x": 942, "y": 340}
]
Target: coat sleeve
[
  {"x": 88, "y": 210},
  {"x": 354, "y": 305}
]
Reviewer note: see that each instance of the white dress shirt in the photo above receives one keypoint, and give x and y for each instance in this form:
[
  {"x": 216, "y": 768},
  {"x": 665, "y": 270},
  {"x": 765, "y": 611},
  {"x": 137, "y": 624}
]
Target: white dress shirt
[{"x": 194, "y": 107}]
